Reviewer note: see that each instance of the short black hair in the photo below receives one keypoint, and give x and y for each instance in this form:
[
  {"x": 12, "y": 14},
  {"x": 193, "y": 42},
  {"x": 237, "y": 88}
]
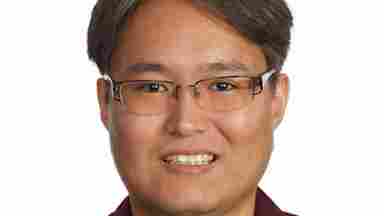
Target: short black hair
[{"x": 267, "y": 23}]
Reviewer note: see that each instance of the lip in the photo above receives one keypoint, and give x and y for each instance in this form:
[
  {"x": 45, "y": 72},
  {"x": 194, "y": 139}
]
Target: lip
[
  {"x": 189, "y": 152},
  {"x": 190, "y": 169}
]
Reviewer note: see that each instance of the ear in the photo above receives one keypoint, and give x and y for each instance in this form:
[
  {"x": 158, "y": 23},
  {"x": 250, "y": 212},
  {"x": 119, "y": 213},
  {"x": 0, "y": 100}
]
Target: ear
[
  {"x": 103, "y": 98},
  {"x": 279, "y": 99}
]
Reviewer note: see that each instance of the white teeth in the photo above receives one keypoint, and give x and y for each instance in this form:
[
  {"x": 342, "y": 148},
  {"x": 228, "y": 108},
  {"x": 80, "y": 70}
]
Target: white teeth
[{"x": 199, "y": 159}]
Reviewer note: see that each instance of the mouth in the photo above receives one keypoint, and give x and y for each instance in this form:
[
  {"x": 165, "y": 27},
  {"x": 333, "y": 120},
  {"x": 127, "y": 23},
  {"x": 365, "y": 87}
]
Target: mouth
[
  {"x": 191, "y": 163},
  {"x": 191, "y": 159}
]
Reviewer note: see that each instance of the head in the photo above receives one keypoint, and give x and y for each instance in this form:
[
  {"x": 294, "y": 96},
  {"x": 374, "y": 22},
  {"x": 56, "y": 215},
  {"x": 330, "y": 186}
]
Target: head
[{"x": 184, "y": 41}]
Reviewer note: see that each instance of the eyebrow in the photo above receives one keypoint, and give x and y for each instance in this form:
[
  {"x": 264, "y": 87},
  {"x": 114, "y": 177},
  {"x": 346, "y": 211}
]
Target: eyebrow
[
  {"x": 145, "y": 67},
  {"x": 212, "y": 68},
  {"x": 220, "y": 67}
]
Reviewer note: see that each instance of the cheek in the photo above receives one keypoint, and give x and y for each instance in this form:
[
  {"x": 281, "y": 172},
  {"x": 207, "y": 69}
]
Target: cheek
[
  {"x": 133, "y": 138},
  {"x": 249, "y": 134},
  {"x": 132, "y": 130},
  {"x": 250, "y": 126}
]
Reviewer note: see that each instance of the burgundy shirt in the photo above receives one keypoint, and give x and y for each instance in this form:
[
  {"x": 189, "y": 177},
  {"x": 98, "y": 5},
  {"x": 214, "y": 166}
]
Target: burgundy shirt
[{"x": 264, "y": 207}]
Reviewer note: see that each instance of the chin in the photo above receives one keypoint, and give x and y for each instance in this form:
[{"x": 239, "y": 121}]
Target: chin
[
  {"x": 189, "y": 206},
  {"x": 182, "y": 203}
]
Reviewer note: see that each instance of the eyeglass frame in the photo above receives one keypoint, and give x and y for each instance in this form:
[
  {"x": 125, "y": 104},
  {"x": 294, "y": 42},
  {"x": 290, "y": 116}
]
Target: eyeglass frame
[{"x": 264, "y": 77}]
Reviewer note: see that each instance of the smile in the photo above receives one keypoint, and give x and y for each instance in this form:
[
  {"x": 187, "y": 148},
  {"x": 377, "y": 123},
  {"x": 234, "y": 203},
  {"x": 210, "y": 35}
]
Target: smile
[
  {"x": 197, "y": 159},
  {"x": 191, "y": 164}
]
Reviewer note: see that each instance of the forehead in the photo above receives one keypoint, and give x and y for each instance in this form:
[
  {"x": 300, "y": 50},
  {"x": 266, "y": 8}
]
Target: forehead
[{"x": 181, "y": 36}]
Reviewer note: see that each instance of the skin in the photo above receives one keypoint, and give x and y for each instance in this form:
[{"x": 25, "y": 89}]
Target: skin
[{"x": 184, "y": 38}]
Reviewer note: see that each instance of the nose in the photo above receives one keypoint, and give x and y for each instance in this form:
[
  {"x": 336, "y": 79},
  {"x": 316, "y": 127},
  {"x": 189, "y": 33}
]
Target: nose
[{"x": 186, "y": 118}]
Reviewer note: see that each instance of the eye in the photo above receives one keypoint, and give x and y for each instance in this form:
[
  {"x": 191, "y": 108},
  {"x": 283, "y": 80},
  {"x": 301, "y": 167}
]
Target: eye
[
  {"x": 151, "y": 87},
  {"x": 222, "y": 85}
]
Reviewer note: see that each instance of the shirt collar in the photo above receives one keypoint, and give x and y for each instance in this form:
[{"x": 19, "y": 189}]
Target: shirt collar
[{"x": 264, "y": 207}]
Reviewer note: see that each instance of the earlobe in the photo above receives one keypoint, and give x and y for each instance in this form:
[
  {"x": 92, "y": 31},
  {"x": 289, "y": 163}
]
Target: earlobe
[
  {"x": 280, "y": 99},
  {"x": 102, "y": 96}
]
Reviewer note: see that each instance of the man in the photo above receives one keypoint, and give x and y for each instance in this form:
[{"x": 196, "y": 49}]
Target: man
[{"x": 191, "y": 94}]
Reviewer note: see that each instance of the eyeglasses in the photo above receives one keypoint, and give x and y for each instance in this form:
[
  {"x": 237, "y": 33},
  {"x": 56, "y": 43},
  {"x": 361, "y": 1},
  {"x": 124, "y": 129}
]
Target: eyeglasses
[{"x": 217, "y": 94}]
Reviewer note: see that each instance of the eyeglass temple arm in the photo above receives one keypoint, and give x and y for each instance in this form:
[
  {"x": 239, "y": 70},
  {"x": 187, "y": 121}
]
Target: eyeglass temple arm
[
  {"x": 267, "y": 75},
  {"x": 112, "y": 86}
]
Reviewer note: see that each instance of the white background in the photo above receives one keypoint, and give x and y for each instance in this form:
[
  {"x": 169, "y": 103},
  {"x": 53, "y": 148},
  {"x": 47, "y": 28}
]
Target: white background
[{"x": 54, "y": 152}]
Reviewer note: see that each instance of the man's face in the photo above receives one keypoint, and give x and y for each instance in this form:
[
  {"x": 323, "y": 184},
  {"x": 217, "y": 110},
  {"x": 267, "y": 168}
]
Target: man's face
[{"x": 183, "y": 39}]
